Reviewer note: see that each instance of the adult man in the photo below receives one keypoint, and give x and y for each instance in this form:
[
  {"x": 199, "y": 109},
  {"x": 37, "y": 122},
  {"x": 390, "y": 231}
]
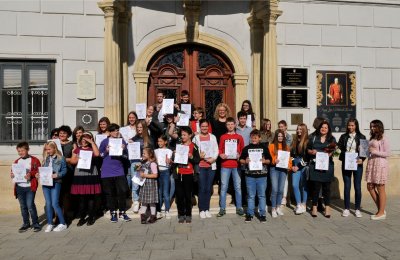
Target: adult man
[{"x": 335, "y": 93}]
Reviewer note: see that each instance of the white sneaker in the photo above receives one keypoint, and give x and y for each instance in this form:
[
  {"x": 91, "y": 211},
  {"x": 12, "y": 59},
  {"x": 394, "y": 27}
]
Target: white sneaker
[
  {"x": 304, "y": 208},
  {"x": 202, "y": 214},
  {"x": 299, "y": 210},
  {"x": 167, "y": 215},
  {"x": 358, "y": 213},
  {"x": 274, "y": 214},
  {"x": 159, "y": 215},
  {"x": 49, "y": 228},
  {"x": 208, "y": 214},
  {"x": 60, "y": 227},
  {"x": 346, "y": 213},
  {"x": 135, "y": 206},
  {"x": 279, "y": 211},
  {"x": 283, "y": 202}
]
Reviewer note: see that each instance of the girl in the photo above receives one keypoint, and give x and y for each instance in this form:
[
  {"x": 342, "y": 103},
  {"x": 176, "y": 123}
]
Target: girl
[
  {"x": 299, "y": 177},
  {"x": 378, "y": 168},
  {"x": 52, "y": 158},
  {"x": 266, "y": 133},
  {"x": 350, "y": 142},
  {"x": 324, "y": 142},
  {"x": 184, "y": 178},
  {"x": 207, "y": 166},
  {"x": 102, "y": 126},
  {"x": 148, "y": 193},
  {"x": 129, "y": 130},
  {"x": 198, "y": 114},
  {"x": 278, "y": 175},
  {"x": 86, "y": 182},
  {"x": 247, "y": 108},
  {"x": 163, "y": 155},
  {"x": 76, "y": 135}
]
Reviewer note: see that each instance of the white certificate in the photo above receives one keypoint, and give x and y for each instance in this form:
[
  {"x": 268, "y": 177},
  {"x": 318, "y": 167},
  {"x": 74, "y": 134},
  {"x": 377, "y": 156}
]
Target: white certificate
[
  {"x": 183, "y": 119},
  {"x": 249, "y": 122},
  {"x": 231, "y": 149},
  {"x": 283, "y": 157},
  {"x": 124, "y": 131},
  {"x": 141, "y": 110},
  {"x": 137, "y": 179},
  {"x": 205, "y": 146},
  {"x": 181, "y": 154},
  {"x": 162, "y": 155},
  {"x": 99, "y": 139},
  {"x": 85, "y": 160},
  {"x": 255, "y": 156},
  {"x": 322, "y": 161},
  {"x": 46, "y": 176},
  {"x": 134, "y": 151},
  {"x": 19, "y": 172},
  {"x": 364, "y": 145},
  {"x": 187, "y": 108},
  {"x": 167, "y": 106},
  {"x": 350, "y": 161},
  {"x": 58, "y": 143},
  {"x": 115, "y": 146}
]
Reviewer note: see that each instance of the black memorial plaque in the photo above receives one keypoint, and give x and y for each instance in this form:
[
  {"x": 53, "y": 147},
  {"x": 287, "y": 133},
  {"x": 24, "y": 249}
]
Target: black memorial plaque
[
  {"x": 294, "y": 97},
  {"x": 294, "y": 77}
]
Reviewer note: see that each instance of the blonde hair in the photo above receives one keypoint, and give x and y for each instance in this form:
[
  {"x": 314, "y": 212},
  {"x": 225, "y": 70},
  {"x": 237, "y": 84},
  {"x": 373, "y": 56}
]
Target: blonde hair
[
  {"x": 224, "y": 105},
  {"x": 53, "y": 145}
]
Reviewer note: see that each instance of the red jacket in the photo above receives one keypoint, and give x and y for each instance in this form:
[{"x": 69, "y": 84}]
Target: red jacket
[{"x": 35, "y": 164}]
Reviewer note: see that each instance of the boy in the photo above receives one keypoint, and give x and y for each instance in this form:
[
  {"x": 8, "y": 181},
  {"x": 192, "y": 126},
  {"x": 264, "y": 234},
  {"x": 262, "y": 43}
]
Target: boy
[
  {"x": 229, "y": 165},
  {"x": 198, "y": 114},
  {"x": 256, "y": 180},
  {"x": 242, "y": 128},
  {"x": 282, "y": 125},
  {"x": 25, "y": 191},
  {"x": 185, "y": 99}
]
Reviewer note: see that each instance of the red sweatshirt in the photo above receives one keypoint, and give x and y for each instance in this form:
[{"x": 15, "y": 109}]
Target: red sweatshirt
[{"x": 230, "y": 163}]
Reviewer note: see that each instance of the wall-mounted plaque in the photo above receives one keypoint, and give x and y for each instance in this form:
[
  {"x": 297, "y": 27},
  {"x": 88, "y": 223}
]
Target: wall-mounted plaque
[
  {"x": 296, "y": 119},
  {"x": 294, "y": 97},
  {"x": 87, "y": 119},
  {"x": 294, "y": 77},
  {"x": 86, "y": 89}
]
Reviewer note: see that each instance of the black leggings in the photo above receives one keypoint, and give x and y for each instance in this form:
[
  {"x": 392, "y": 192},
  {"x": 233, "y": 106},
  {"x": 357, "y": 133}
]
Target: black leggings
[
  {"x": 115, "y": 189},
  {"x": 88, "y": 205},
  {"x": 183, "y": 194},
  {"x": 326, "y": 192}
]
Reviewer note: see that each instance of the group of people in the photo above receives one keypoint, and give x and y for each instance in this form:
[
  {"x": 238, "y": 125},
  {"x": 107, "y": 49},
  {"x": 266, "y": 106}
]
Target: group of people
[{"x": 213, "y": 151}]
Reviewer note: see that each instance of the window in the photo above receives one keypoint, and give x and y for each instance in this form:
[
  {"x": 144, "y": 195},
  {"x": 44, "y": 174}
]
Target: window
[{"x": 27, "y": 94}]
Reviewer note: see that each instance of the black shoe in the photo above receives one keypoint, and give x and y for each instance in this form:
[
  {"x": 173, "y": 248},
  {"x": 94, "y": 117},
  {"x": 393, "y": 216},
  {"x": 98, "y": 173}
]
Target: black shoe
[
  {"x": 248, "y": 218},
  {"x": 90, "y": 221},
  {"x": 153, "y": 219},
  {"x": 188, "y": 219},
  {"x": 263, "y": 219},
  {"x": 143, "y": 218},
  {"x": 81, "y": 222},
  {"x": 181, "y": 219},
  {"x": 24, "y": 228},
  {"x": 36, "y": 227}
]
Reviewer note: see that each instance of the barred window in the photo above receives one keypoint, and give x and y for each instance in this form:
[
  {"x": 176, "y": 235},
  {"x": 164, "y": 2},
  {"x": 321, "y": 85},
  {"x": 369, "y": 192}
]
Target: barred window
[{"x": 27, "y": 90}]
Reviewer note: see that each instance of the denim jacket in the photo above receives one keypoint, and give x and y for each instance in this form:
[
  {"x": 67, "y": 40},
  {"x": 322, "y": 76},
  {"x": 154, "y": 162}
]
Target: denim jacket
[{"x": 59, "y": 167}]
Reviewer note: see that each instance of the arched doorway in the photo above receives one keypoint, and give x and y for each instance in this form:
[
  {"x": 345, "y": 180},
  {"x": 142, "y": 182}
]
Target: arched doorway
[{"x": 204, "y": 72}]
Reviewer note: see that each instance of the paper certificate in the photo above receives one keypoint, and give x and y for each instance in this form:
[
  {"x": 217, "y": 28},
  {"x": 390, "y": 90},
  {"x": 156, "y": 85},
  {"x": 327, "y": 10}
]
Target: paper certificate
[
  {"x": 134, "y": 151},
  {"x": 249, "y": 122},
  {"x": 46, "y": 176},
  {"x": 141, "y": 110},
  {"x": 350, "y": 161},
  {"x": 283, "y": 157},
  {"x": 187, "y": 108},
  {"x": 255, "y": 156},
  {"x": 364, "y": 145},
  {"x": 322, "y": 161},
  {"x": 181, "y": 154},
  {"x": 183, "y": 119},
  {"x": 58, "y": 143},
  {"x": 231, "y": 149},
  {"x": 124, "y": 131},
  {"x": 115, "y": 146},
  {"x": 19, "y": 172},
  {"x": 161, "y": 155},
  {"x": 85, "y": 160},
  {"x": 167, "y": 106},
  {"x": 99, "y": 139},
  {"x": 205, "y": 146},
  {"x": 137, "y": 179}
]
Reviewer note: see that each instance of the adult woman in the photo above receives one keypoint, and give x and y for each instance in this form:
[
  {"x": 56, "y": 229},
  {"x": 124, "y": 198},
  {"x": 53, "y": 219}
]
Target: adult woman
[
  {"x": 378, "y": 168},
  {"x": 208, "y": 156},
  {"x": 299, "y": 177},
  {"x": 266, "y": 133},
  {"x": 349, "y": 142},
  {"x": 129, "y": 130},
  {"x": 222, "y": 112},
  {"x": 322, "y": 142},
  {"x": 248, "y": 109}
]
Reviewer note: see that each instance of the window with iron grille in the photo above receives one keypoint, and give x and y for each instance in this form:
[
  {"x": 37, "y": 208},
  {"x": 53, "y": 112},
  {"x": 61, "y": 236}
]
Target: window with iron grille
[{"x": 27, "y": 100}]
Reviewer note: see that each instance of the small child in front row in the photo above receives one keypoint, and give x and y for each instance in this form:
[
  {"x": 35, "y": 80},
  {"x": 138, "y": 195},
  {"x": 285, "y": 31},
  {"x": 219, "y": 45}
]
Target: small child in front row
[
  {"x": 25, "y": 191},
  {"x": 149, "y": 192}
]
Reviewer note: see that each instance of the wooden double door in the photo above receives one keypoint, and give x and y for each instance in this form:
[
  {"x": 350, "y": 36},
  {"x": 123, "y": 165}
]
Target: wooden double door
[{"x": 204, "y": 72}]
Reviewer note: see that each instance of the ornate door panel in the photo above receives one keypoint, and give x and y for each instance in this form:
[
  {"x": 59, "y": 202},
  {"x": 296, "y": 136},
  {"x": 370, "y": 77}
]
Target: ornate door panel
[{"x": 206, "y": 74}]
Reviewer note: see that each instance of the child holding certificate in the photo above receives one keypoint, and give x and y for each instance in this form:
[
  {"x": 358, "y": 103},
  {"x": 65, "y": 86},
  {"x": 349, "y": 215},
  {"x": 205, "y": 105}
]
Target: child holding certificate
[
  {"x": 53, "y": 159},
  {"x": 280, "y": 164},
  {"x": 256, "y": 177},
  {"x": 25, "y": 190},
  {"x": 86, "y": 181}
]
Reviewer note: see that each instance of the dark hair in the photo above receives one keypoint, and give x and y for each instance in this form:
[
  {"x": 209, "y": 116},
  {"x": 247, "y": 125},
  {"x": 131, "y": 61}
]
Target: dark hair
[
  {"x": 54, "y": 132},
  {"x": 66, "y": 129},
  {"x": 277, "y": 132},
  {"x": 355, "y": 121},
  {"x": 203, "y": 120},
  {"x": 24, "y": 145},
  {"x": 282, "y": 122},
  {"x": 381, "y": 129},
  {"x": 160, "y": 92},
  {"x": 112, "y": 127},
  {"x": 76, "y": 129},
  {"x": 317, "y": 122},
  {"x": 250, "y": 111},
  {"x": 184, "y": 93},
  {"x": 163, "y": 137},
  {"x": 131, "y": 113},
  {"x": 230, "y": 120},
  {"x": 255, "y": 132},
  {"x": 199, "y": 110},
  {"x": 329, "y": 134},
  {"x": 241, "y": 114},
  {"x": 103, "y": 119},
  {"x": 186, "y": 129}
]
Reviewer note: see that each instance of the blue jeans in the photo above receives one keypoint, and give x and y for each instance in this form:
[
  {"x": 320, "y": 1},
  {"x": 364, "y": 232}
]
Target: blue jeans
[
  {"x": 300, "y": 187},
  {"x": 225, "y": 175},
  {"x": 163, "y": 189},
  {"x": 26, "y": 198},
  {"x": 357, "y": 186},
  {"x": 256, "y": 185},
  {"x": 278, "y": 177},
  {"x": 171, "y": 187},
  {"x": 206, "y": 179},
  {"x": 51, "y": 196},
  {"x": 135, "y": 187}
]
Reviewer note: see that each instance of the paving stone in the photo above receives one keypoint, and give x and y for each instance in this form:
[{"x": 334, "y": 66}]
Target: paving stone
[
  {"x": 268, "y": 251},
  {"x": 217, "y": 243},
  {"x": 275, "y": 241},
  {"x": 245, "y": 242},
  {"x": 166, "y": 244},
  {"x": 137, "y": 255},
  {"x": 207, "y": 253},
  {"x": 339, "y": 250},
  {"x": 184, "y": 243},
  {"x": 35, "y": 257},
  {"x": 300, "y": 250},
  {"x": 69, "y": 256},
  {"x": 128, "y": 246},
  {"x": 185, "y": 253},
  {"x": 309, "y": 240},
  {"x": 369, "y": 247},
  {"x": 244, "y": 252},
  {"x": 105, "y": 256}
]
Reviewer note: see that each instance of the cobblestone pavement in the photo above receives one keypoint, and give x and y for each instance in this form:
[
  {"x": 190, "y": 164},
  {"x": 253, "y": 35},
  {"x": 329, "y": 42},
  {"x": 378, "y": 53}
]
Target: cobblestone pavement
[{"x": 287, "y": 237}]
